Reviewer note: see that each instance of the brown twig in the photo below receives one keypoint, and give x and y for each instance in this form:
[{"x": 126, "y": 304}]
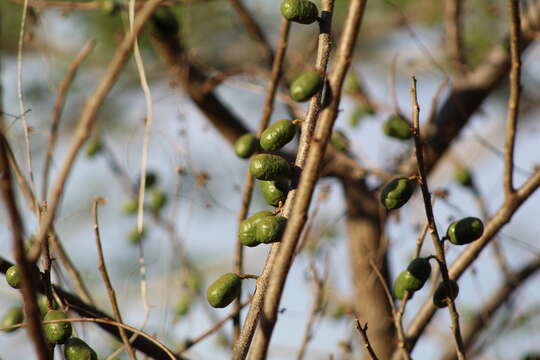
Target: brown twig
[
  {"x": 420, "y": 240},
  {"x": 95, "y": 5},
  {"x": 102, "y": 267},
  {"x": 363, "y": 332},
  {"x": 513, "y": 100},
  {"x": 453, "y": 27},
  {"x": 88, "y": 115},
  {"x": 308, "y": 180},
  {"x": 439, "y": 249},
  {"x": 63, "y": 88}
]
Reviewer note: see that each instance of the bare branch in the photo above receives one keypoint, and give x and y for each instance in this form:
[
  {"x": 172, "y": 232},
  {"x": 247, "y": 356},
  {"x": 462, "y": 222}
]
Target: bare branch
[
  {"x": 363, "y": 332},
  {"x": 454, "y": 40}
]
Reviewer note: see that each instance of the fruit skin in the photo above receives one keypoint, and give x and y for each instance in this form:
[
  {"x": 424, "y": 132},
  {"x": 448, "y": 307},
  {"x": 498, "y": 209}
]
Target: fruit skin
[
  {"x": 246, "y": 145},
  {"x": 76, "y": 349},
  {"x": 420, "y": 268},
  {"x": 278, "y": 135},
  {"x": 135, "y": 237},
  {"x": 396, "y": 193},
  {"x": 464, "y": 177},
  {"x": 397, "y": 127},
  {"x": 275, "y": 192},
  {"x": 183, "y": 305},
  {"x": 359, "y": 113},
  {"x": 269, "y": 229},
  {"x": 306, "y": 85},
  {"x": 441, "y": 294},
  {"x": 158, "y": 199},
  {"x": 13, "y": 316},
  {"x": 93, "y": 148},
  {"x": 246, "y": 230},
  {"x": 13, "y": 277},
  {"x": 300, "y": 11},
  {"x": 269, "y": 167},
  {"x": 465, "y": 231},
  {"x": 224, "y": 290},
  {"x": 57, "y": 333},
  {"x": 405, "y": 281},
  {"x": 130, "y": 207},
  {"x": 42, "y": 304}
]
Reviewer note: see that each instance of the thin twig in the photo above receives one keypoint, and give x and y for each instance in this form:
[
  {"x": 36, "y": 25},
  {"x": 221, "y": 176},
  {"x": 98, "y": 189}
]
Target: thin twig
[
  {"x": 454, "y": 29},
  {"x": 63, "y": 88},
  {"x": 439, "y": 249},
  {"x": 513, "y": 100},
  {"x": 102, "y": 267},
  {"x": 363, "y": 332}
]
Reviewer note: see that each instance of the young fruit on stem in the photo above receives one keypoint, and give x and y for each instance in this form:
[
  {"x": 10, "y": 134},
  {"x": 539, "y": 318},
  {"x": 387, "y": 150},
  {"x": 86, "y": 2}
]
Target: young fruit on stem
[
  {"x": 269, "y": 167},
  {"x": 397, "y": 127},
  {"x": 183, "y": 305},
  {"x": 12, "y": 317},
  {"x": 358, "y": 114},
  {"x": 246, "y": 145},
  {"x": 300, "y": 11},
  {"x": 224, "y": 290},
  {"x": 464, "y": 177},
  {"x": 246, "y": 230},
  {"x": 465, "y": 231},
  {"x": 306, "y": 85},
  {"x": 76, "y": 349},
  {"x": 93, "y": 148},
  {"x": 157, "y": 200},
  {"x": 13, "y": 277},
  {"x": 413, "y": 278},
  {"x": 396, "y": 193},
  {"x": 278, "y": 135},
  {"x": 58, "y": 332},
  {"x": 441, "y": 295},
  {"x": 340, "y": 142},
  {"x": 275, "y": 191},
  {"x": 269, "y": 229}
]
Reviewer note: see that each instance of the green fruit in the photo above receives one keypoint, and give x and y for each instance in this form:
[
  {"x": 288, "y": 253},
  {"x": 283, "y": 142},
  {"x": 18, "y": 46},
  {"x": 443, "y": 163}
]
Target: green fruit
[
  {"x": 464, "y": 177},
  {"x": 420, "y": 269},
  {"x": 339, "y": 141},
  {"x": 13, "y": 277},
  {"x": 275, "y": 192},
  {"x": 397, "y": 127},
  {"x": 135, "y": 237},
  {"x": 42, "y": 303},
  {"x": 183, "y": 305},
  {"x": 194, "y": 282},
  {"x": 338, "y": 312},
  {"x": 300, "y": 11},
  {"x": 441, "y": 295},
  {"x": 269, "y": 167},
  {"x": 93, "y": 148},
  {"x": 246, "y": 230},
  {"x": 352, "y": 83},
  {"x": 359, "y": 113},
  {"x": 246, "y": 145},
  {"x": 406, "y": 282},
  {"x": 58, "y": 332},
  {"x": 396, "y": 193},
  {"x": 306, "y": 85},
  {"x": 76, "y": 349},
  {"x": 269, "y": 229},
  {"x": 151, "y": 180},
  {"x": 224, "y": 290},
  {"x": 278, "y": 135},
  {"x": 109, "y": 7},
  {"x": 165, "y": 21},
  {"x": 465, "y": 231},
  {"x": 12, "y": 317},
  {"x": 130, "y": 207},
  {"x": 158, "y": 199}
]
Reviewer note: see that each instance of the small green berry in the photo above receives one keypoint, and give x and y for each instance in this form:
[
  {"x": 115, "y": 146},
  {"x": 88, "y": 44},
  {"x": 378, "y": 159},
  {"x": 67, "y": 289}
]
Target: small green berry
[
  {"x": 398, "y": 128},
  {"x": 465, "y": 231},
  {"x": 76, "y": 349},
  {"x": 396, "y": 193},
  {"x": 464, "y": 177},
  {"x": 12, "y": 317},
  {"x": 306, "y": 85},
  {"x": 13, "y": 277},
  {"x": 58, "y": 332},
  {"x": 93, "y": 148},
  {"x": 224, "y": 290},
  {"x": 246, "y": 145},
  {"x": 300, "y": 11},
  {"x": 441, "y": 295}
]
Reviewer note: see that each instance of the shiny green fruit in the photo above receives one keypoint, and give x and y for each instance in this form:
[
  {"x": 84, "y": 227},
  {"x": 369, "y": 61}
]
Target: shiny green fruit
[
  {"x": 42, "y": 304},
  {"x": 76, "y": 349},
  {"x": 13, "y": 277},
  {"x": 93, "y": 148},
  {"x": 269, "y": 167},
  {"x": 464, "y": 177},
  {"x": 465, "y": 231},
  {"x": 275, "y": 192},
  {"x": 165, "y": 21},
  {"x": 278, "y": 135},
  {"x": 246, "y": 145},
  {"x": 246, "y": 230},
  {"x": 306, "y": 85},
  {"x": 441, "y": 295},
  {"x": 405, "y": 282},
  {"x": 269, "y": 229},
  {"x": 130, "y": 207},
  {"x": 157, "y": 200},
  {"x": 58, "y": 332},
  {"x": 183, "y": 305},
  {"x": 398, "y": 128},
  {"x": 420, "y": 268},
  {"x": 340, "y": 142},
  {"x": 224, "y": 290},
  {"x": 12, "y": 317},
  {"x": 396, "y": 193},
  {"x": 300, "y": 11}
]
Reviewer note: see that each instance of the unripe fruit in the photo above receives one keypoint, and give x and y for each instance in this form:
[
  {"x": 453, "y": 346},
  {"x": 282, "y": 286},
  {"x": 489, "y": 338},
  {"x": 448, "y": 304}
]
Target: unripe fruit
[
  {"x": 269, "y": 229},
  {"x": 278, "y": 135},
  {"x": 58, "y": 332},
  {"x": 194, "y": 282},
  {"x": 183, "y": 305},
  {"x": 93, "y": 148},
  {"x": 420, "y": 268},
  {"x": 76, "y": 349},
  {"x": 246, "y": 145},
  {"x": 339, "y": 141},
  {"x": 135, "y": 237},
  {"x": 12, "y": 317},
  {"x": 397, "y": 127},
  {"x": 352, "y": 83},
  {"x": 13, "y": 277},
  {"x": 42, "y": 303},
  {"x": 151, "y": 180},
  {"x": 359, "y": 113},
  {"x": 396, "y": 193},
  {"x": 300, "y": 11},
  {"x": 275, "y": 192},
  {"x": 130, "y": 206},
  {"x": 306, "y": 85},
  {"x": 158, "y": 199},
  {"x": 269, "y": 167},
  {"x": 224, "y": 290},
  {"x": 246, "y": 230},
  {"x": 465, "y": 231},
  {"x": 406, "y": 282},
  {"x": 441, "y": 295},
  {"x": 464, "y": 177}
]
